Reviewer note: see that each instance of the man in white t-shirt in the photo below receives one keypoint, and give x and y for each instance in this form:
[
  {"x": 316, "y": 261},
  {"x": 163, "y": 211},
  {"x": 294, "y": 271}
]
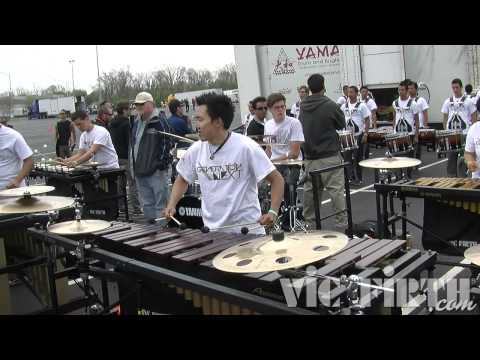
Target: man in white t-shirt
[
  {"x": 422, "y": 105},
  {"x": 472, "y": 150},
  {"x": 357, "y": 119},
  {"x": 343, "y": 99},
  {"x": 228, "y": 167},
  {"x": 459, "y": 113},
  {"x": 95, "y": 144},
  {"x": 371, "y": 105},
  {"x": 302, "y": 94},
  {"x": 16, "y": 159}
]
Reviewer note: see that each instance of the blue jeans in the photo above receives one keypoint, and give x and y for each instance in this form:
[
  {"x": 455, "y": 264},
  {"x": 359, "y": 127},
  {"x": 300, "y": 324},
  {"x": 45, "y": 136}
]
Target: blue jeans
[{"x": 153, "y": 191}]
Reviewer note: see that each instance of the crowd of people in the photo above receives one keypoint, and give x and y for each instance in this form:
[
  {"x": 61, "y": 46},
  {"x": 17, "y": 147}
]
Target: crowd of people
[{"x": 230, "y": 166}]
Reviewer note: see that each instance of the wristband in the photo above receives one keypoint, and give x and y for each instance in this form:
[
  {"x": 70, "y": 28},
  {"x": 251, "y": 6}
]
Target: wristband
[{"x": 271, "y": 211}]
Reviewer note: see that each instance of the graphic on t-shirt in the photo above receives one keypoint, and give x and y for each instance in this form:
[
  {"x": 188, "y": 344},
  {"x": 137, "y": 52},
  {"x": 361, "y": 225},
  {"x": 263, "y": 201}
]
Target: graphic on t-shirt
[
  {"x": 221, "y": 172},
  {"x": 457, "y": 123}
]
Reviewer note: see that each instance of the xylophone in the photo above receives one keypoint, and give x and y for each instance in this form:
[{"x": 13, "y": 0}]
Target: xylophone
[
  {"x": 99, "y": 188},
  {"x": 191, "y": 252}
]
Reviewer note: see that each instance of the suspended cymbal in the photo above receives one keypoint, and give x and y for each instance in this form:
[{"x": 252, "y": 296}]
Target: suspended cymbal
[
  {"x": 27, "y": 190},
  {"x": 75, "y": 227},
  {"x": 390, "y": 163},
  {"x": 473, "y": 254},
  {"x": 34, "y": 204},
  {"x": 265, "y": 254},
  {"x": 193, "y": 136},
  {"x": 289, "y": 162}
]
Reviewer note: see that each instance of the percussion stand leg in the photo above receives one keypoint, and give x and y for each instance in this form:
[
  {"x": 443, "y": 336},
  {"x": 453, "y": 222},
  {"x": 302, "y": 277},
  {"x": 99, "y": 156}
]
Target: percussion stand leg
[
  {"x": 379, "y": 212},
  {"x": 404, "y": 216},
  {"x": 392, "y": 212},
  {"x": 385, "y": 213},
  {"x": 316, "y": 201},
  {"x": 51, "y": 259},
  {"x": 348, "y": 204}
]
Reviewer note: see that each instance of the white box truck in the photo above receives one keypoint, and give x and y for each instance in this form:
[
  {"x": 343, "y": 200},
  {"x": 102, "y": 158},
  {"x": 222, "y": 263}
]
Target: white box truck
[
  {"x": 263, "y": 69},
  {"x": 189, "y": 95},
  {"x": 52, "y": 106}
]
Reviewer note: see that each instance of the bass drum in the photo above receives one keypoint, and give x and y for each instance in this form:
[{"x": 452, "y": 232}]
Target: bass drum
[{"x": 189, "y": 211}]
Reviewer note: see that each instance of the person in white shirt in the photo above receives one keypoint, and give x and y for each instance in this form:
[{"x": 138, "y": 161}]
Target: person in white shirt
[
  {"x": 302, "y": 94},
  {"x": 16, "y": 160},
  {"x": 470, "y": 94},
  {"x": 459, "y": 113},
  {"x": 372, "y": 106},
  {"x": 357, "y": 118},
  {"x": 95, "y": 144},
  {"x": 472, "y": 150},
  {"x": 228, "y": 167},
  {"x": 343, "y": 99},
  {"x": 422, "y": 105}
]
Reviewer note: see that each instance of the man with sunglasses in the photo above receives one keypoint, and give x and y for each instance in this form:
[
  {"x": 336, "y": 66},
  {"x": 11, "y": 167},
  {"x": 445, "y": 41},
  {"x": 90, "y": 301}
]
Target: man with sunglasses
[
  {"x": 256, "y": 127},
  {"x": 104, "y": 115}
]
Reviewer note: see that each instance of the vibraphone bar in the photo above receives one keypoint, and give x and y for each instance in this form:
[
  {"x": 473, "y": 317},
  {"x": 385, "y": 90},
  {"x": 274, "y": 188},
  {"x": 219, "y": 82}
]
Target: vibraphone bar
[{"x": 187, "y": 254}]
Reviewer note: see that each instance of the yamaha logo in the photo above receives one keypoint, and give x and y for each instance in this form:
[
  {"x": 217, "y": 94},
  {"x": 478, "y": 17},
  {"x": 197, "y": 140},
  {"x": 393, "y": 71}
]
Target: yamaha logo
[{"x": 187, "y": 211}]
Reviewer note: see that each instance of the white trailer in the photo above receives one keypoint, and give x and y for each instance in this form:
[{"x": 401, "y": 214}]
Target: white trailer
[
  {"x": 189, "y": 95},
  {"x": 264, "y": 69},
  {"x": 53, "y": 106}
]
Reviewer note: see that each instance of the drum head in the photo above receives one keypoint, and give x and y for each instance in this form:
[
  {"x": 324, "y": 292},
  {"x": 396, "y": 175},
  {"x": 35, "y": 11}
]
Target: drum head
[{"x": 189, "y": 211}]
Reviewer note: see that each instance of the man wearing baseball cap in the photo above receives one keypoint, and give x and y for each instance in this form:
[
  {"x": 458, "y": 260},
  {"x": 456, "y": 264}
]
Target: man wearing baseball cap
[{"x": 150, "y": 152}]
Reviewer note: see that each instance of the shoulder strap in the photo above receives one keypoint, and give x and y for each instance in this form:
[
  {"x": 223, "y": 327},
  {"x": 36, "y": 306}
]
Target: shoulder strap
[
  {"x": 463, "y": 98},
  {"x": 451, "y": 99},
  {"x": 409, "y": 103},
  {"x": 396, "y": 103},
  {"x": 357, "y": 104},
  {"x": 416, "y": 98}
]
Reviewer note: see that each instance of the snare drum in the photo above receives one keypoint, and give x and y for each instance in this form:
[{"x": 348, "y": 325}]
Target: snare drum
[
  {"x": 449, "y": 140},
  {"x": 398, "y": 143},
  {"x": 426, "y": 136},
  {"x": 347, "y": 140},
  {"x": 377, "y": 136}
]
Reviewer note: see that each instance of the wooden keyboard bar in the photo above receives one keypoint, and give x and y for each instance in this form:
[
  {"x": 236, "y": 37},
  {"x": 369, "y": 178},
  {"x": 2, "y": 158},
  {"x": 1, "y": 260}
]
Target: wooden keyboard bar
[{"x": 382, "y": 253}]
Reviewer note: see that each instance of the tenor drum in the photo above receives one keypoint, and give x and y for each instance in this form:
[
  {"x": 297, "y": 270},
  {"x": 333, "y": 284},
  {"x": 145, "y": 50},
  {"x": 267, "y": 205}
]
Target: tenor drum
[
  {"x": 347, "y": 140},
  {"x": 426, "y": 136},
  {"x": 398, "y": 143},
  {"x": 449, "y": 140},
  {"x": 377, "y": 136}
]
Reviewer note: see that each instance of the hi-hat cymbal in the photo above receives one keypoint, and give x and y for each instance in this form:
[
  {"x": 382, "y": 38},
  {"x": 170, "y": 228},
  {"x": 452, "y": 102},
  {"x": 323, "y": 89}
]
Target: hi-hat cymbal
[
  {"x": 390, "y": 163},
  {"x": 75, "y": 227},
  {"x": 473, "y": 254},
  {"x": 27, "y": 190},
  {"x": 192, "y": 136},
  {"x": 35, "y": 204},
  {"x": 288, "y": 162},
  {"x": 265, "y": 254}
]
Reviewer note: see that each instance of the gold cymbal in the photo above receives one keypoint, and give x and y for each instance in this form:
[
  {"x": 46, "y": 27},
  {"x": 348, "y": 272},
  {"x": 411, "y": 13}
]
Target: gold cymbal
[
  {"x": 75, "y": 227},
  {"x": 265, "y": 254},
  {"x": 390, "y": 163},
  {"x": 473, "y": 254},
  {"x": 288, "y": 162},
  {"x": 35, "y": 204},
  {"x": 193, "y": 136},
  {"x": 27, "y": 190}
]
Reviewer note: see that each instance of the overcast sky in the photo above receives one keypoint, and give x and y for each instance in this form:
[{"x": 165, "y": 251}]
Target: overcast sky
[{"x": 43, "y": 65}]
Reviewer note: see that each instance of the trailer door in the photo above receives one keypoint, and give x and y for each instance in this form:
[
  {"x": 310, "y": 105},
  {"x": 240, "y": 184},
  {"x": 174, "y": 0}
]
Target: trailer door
[{"x": 382, "y": 65}]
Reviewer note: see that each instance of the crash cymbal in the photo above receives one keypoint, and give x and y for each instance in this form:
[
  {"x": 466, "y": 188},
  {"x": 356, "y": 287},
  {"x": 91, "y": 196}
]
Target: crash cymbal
[
  {"x": 193, "y": 136},
  {"x": 27, "y": 190},
  {"x": 473, "y": 254},
  {"x": 79, "y": 227},
  {"x": 289, "y": 162},
  {"x": 265, "y": 254},
  {"x": 390, "y": 163},
  {"x": 35, "y": 204}
]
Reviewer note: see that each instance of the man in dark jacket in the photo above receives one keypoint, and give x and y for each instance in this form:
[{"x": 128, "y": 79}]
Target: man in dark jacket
[
  {"x": 119, "y": 129},
  {"x": 321, "y": 118},
  {"x": 177, "y": 122},
  {"x": 151, "y": 156}
]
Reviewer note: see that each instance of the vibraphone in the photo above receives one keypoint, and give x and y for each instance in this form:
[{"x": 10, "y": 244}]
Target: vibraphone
[
  {"x": 456, "y": 194},
  {"x": 98, "y": 187},
  {"x": 190, "y": 252}
]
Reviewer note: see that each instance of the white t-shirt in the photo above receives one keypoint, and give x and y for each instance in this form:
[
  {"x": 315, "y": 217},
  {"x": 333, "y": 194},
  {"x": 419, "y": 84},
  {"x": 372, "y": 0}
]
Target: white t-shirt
[
  {"x": 342, "y": 100},
  {"x": 371, "y": 105},
  {"x": 106, "y": 155},
  {"x": 295, "y": 110},
  {"x": 464, "y": 112},
  {"x": 13, "y": 151},
  {"x": 422, "y": 105},
  {"x": 355, "y": 116},
  {"x": 289, "y": 130},
  {"x": 228, "y": 182},
  {"x": 405, "y": 116},
  {"x": 472, "y": 145}
]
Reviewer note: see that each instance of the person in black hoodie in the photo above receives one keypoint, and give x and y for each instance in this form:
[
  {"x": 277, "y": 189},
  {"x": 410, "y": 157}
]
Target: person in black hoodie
[
  {"x": 119, "y": 129},
  {"x": 321, "y": 118}
]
